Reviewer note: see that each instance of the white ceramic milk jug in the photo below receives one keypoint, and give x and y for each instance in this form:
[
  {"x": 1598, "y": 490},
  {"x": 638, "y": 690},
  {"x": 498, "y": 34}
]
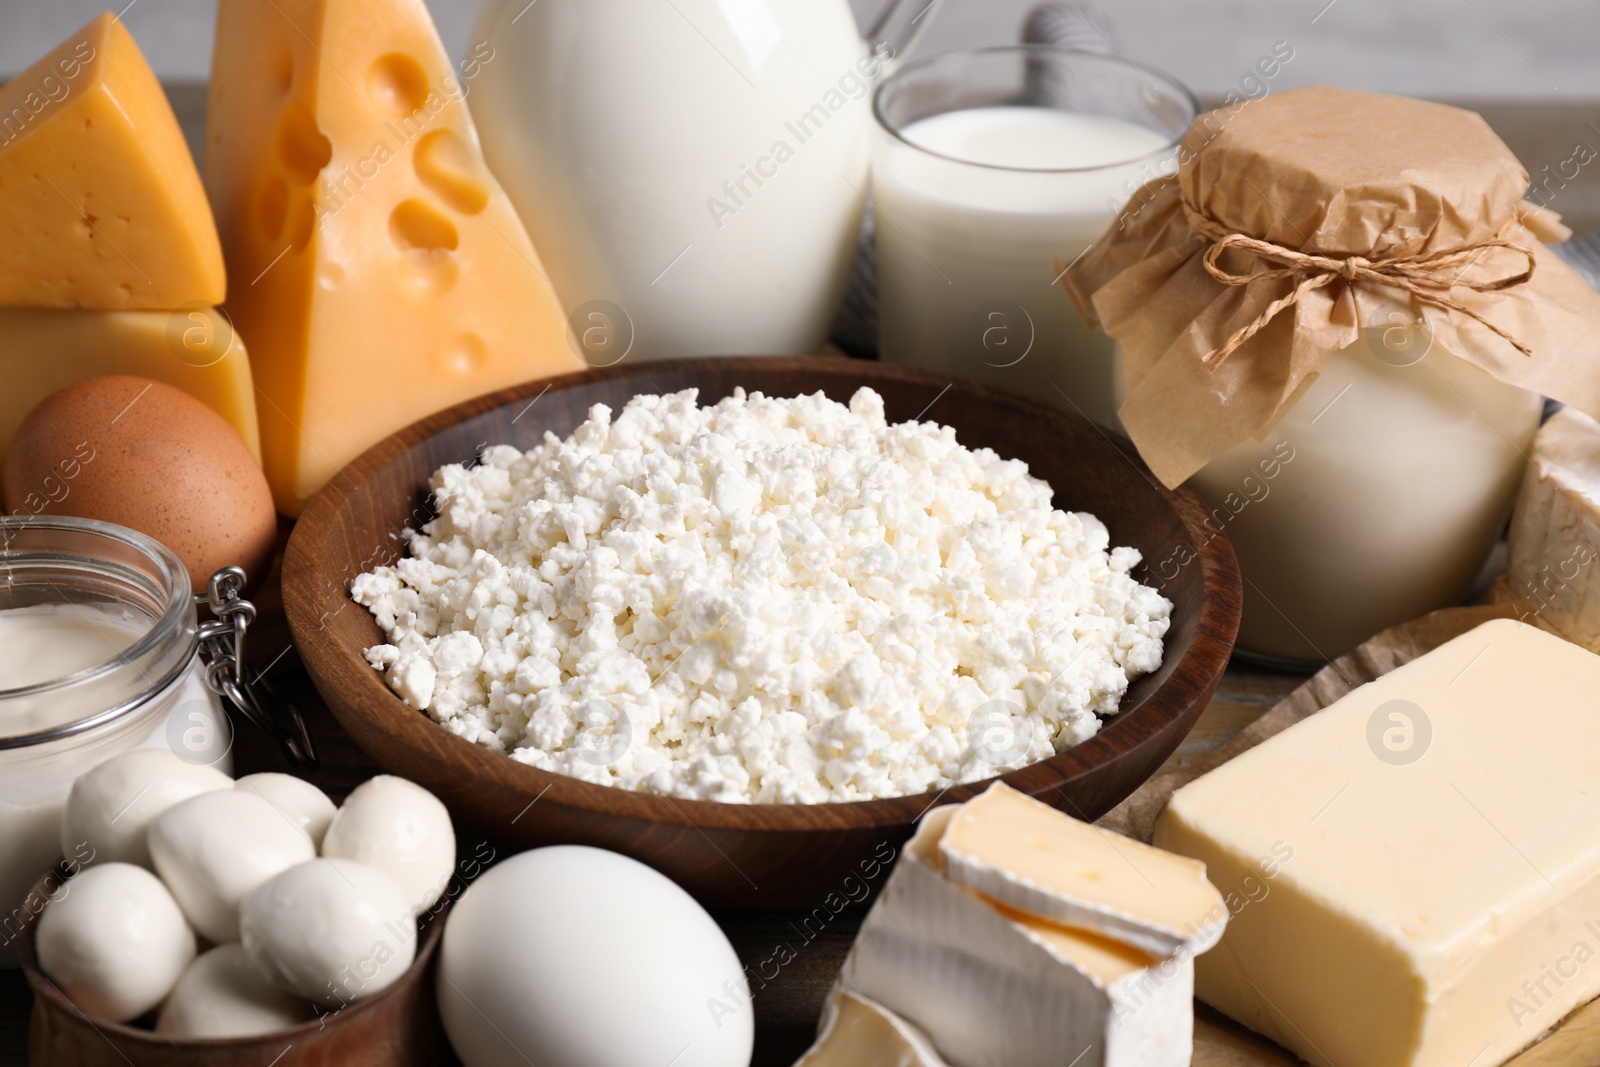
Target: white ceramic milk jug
[{"x": 691, "y": 171}]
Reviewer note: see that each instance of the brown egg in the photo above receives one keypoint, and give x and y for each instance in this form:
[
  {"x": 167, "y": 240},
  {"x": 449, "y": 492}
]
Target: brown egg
[{"x": 147, "y": 456}]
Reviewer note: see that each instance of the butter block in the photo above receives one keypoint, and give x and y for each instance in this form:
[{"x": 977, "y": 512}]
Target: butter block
[
  {"x": 1418, "y": 864},
  {"x": 1551, "y": 571},
  {"x": 994, "y": 986},
  {"x": 196, "y": 351},
  {"x": 855, "y": 1032},
  {"x": 100, "y": 203},
  {"x": 1016, "y": 850},
  {"x": 375, "y": 264}
]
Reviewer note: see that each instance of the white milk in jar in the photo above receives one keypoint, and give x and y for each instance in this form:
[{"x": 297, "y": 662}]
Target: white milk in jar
[
  {"x": 1375, "y": 500},
  {"x": 1338, "y": 322}
]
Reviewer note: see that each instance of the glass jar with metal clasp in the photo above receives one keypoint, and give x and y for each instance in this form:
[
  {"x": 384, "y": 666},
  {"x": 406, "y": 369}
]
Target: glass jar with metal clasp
[{"x": 102, "y": 651}]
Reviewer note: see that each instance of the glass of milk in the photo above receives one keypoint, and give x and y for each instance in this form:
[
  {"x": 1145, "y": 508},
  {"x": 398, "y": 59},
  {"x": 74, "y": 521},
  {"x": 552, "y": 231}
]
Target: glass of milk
[
  {"x": 990, "y": 167},
  {"x": 98, "y": 637}
]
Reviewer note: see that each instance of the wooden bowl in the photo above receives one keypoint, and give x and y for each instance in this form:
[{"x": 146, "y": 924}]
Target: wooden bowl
[
  {"x": 734, "y": 855},
  {"x": 396, "y": 1027}
]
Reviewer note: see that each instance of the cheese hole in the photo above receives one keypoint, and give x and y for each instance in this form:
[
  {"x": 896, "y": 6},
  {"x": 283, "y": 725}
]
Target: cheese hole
[
  {"x": 302, "y": 220},
  {"x": 302, "y": 148},
  {"x": 466, "y": 354},
  {"x": 396, "y": 84},
  {"x": 283, "y": 71},
  {"x": 430, "y": 273},
  {"x": 448, "y": 166},
  {"x": 415, "y": 224},
  {"x": 274, "y": 207}
]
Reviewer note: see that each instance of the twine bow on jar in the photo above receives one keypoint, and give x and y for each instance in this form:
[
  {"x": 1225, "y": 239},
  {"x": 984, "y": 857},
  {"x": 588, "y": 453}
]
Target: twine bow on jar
[{"x": 1429, "y": 278}]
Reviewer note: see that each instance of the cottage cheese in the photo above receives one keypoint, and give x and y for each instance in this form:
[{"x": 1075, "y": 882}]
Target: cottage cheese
[{"x": 768, "y": 600}]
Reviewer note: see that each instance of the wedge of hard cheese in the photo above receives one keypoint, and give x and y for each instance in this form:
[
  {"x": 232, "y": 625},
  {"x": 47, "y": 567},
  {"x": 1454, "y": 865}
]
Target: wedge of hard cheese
[
  {"x": 375, "y": 265},
  {"x": 1552, "y": 569},
  {"x": 100, "y": 202},
  {"x": 1015, "y": 850},
  {"x": 856, "y": 1032},
  {"x": 1440, "y": 901},
  {"x": 42, "y": 351},
  {"x": 993, "y": 986}
]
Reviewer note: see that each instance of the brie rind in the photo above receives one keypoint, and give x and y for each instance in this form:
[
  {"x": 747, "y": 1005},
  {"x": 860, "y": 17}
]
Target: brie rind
[
  {"x": 996, "y": 988},
  {"x": 1555, "y": 531},
  {"x": 856, "y": 1032},
  {"x": 1031, "y": 857}
]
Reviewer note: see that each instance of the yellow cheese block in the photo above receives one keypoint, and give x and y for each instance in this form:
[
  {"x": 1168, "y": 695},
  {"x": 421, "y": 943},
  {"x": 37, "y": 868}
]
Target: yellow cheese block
[
  {"x": 100, "y": 202},
  {"x": 1424, "y": 855},
  {"x": 375, "y": 263},
  {"x": 196, "y": 351}
]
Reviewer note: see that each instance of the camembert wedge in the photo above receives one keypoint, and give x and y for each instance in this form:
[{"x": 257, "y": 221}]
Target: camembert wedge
[
  {"x": 1029, "y": 856},
  {"x": 993, "y": 986},
  {"x": 375, "y": 265},
  {"x": 1553, "y": 570}
]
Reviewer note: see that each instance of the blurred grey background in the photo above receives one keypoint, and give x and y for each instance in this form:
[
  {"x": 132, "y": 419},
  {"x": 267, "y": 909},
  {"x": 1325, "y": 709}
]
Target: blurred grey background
[
  {"x": 1442, "y": 49},
  {"x": 1531, "y": 67}
]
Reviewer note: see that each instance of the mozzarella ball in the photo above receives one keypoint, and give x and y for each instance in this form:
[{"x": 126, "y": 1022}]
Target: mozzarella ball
[
  {"x": 223, "y": 994},
  {"x": 111, "y": 806},
  {"x": 403, "y": 830},
  {"x": 214, "y": 848},
  {"x": 115, "y": 941},
  {"x": 297, "y": 798},
  {"x": 332, "y": 930},
  {"x": 568, "y": 956}
]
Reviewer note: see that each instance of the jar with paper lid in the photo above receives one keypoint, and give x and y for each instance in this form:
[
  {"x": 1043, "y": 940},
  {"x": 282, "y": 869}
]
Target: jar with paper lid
[
  {"x": 103, "y": 651},
  {"x": 1337, "y": 324}
]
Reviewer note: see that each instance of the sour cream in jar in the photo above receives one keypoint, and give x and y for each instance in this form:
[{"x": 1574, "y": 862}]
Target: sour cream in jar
[{"x": 98, "y": 640}]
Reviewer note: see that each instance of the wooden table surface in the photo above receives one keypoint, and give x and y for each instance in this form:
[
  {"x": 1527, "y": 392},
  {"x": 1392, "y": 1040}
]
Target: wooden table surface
[{"x": 1542, "y": 135}]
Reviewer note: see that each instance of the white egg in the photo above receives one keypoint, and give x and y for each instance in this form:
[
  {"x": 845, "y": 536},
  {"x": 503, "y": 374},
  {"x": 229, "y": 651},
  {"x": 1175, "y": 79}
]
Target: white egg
[
  {"x": 223, "y": 994},
  {"x": 299, "y": 799},
  {"x": 332, "y": 930},
  {"x": 400, "y": 828},
  {"x": 213, "y": 849},
  {"x": 114, "y": 940},
  {"x": 570, "y": 956},
  {"x": 111, "y": 806}
]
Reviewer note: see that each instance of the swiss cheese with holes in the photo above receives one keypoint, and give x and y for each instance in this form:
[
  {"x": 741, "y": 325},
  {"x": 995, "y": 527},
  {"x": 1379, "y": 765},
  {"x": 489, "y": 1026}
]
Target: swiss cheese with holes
[{"x": 375, "y": 266}]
